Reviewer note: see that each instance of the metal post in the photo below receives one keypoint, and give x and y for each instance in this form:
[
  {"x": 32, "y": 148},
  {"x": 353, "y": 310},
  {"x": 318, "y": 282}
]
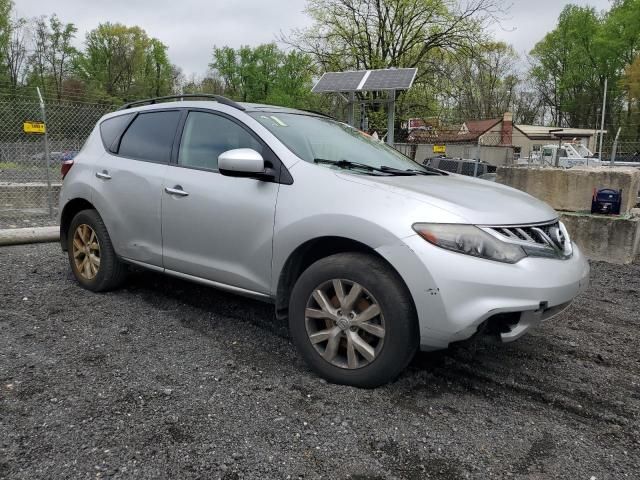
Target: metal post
[
  {"x": 391, "y": 113},
  {"x": 604, "y": 106},
  {"x": 477, "y": 162},
  {"x": 615, "y": 148},
  {"x": 47, "y": 158},
  {"x": 351, "y": 109}
]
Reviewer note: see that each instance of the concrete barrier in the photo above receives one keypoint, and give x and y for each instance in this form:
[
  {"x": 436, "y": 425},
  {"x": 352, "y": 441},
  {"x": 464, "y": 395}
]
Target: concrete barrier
[
  {"x": 17, "y": 236},
  {"x": 572, "y": 189},
  {"x": 27, "y": 195},
  {"x": 613, "y": 239}
]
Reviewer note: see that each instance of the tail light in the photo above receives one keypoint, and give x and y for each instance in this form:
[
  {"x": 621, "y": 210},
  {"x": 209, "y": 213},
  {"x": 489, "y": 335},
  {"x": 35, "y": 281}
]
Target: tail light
[{"x": 65, "y": 166}]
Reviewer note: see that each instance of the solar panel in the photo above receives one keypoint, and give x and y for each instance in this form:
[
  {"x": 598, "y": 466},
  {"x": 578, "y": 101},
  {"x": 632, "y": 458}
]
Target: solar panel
[
  {"x": 388, "y": 79},
  {"x": 391, "y": 79},
  {"x": 339, "y": 82}
]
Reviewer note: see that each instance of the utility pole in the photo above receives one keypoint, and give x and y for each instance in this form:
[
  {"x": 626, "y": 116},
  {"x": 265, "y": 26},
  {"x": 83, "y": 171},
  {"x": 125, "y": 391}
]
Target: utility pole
[
  {"x": 391, "y": 115},
  {"x": 604, "y": 106},
  {"x": 47, "y": 157}
]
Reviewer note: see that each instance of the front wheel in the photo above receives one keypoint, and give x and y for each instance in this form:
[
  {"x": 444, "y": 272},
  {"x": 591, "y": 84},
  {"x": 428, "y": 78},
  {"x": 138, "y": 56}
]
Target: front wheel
[{"x": 353, "y": 320}]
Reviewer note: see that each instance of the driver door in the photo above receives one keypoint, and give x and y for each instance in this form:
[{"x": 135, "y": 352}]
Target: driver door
[{"x": 216, "y": 227}]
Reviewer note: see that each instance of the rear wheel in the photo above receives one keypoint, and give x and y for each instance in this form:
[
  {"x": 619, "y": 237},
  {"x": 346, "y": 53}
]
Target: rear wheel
[
  {"x": 93, "y": 261},
  {"x": 353, "y": 321}
]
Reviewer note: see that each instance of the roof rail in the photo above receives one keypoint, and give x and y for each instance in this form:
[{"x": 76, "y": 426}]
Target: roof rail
[
  {"x": 316, "y": 112},
  {"x": 151, "y": 101}
]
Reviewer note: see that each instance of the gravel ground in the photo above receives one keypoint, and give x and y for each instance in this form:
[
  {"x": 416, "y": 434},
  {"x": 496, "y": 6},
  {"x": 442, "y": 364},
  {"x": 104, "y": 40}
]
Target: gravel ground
[{"x": 165, "y": 379}]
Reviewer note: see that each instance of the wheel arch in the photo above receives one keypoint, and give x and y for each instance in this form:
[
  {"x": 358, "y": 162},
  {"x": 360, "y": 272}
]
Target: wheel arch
[
  {"x": 311, "y": 251},
  {"x": 71, "y": 208}
]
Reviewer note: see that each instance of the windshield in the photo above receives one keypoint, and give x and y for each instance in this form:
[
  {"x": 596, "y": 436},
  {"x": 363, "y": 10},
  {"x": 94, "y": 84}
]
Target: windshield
[
  {"x": 583, "y": 151},
  {"x": 325, "y": 141}
]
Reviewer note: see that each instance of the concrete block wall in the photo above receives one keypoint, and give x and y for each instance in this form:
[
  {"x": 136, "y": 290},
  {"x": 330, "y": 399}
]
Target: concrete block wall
[
  {"x": 607, "y": 238},
  {"x": 572, "y": 189},
  {"x": 27, "y": 195}
]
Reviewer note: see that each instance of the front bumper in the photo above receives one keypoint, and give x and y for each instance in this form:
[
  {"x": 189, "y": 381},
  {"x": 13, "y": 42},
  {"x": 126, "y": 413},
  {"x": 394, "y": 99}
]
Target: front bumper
[{"x": 454, "y": 293}]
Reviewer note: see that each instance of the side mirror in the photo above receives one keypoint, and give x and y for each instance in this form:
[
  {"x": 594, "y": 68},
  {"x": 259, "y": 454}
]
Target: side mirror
[{"x": 241, "y": 162}]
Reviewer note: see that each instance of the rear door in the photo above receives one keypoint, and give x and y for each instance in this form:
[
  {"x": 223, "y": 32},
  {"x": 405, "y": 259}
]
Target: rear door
[
  {"x": 129, "y": 185},
  {"x": 217, "y": 227}
]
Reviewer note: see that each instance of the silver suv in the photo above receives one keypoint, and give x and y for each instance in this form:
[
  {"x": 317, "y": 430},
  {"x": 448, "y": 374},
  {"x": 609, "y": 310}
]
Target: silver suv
[{"x": 368, "y": 254}]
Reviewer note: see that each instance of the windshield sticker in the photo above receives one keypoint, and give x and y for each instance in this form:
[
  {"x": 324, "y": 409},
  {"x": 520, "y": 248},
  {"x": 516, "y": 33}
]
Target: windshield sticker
[{"x": 278, "y": 121}]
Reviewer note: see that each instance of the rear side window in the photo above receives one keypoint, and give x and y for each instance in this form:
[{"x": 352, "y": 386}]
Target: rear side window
[
  {"x": 150, "y": 136},
  {"x": 111, "y": 129}
]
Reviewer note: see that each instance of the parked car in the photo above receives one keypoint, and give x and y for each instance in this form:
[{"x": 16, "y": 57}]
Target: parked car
[
  {"x": 39, "y": 158},
  {"x": 368, "y": 254},
  {"x": 628, "y": 157},
  {"x": 68, "y": 155},
  {"x": 460, "y": 165}
]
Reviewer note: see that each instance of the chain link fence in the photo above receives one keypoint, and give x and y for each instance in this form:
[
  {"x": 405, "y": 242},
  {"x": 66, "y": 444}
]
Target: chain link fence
[
  {"x": 30, "y": 163},
  {"x": 475, "y": 155},
  {"x": 30, "y": 176}
]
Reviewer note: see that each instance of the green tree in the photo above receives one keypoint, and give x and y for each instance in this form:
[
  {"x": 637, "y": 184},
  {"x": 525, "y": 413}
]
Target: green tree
[
  {"x": 5, "y": 33},
  {"x": 52, "y": 59},
  {"x": 124, "y": 63},
  {"x": 571, "y": 63},
  {"x": 632, "y": 80},
  {"x": 483, "y": 85},
  {"x": 264, "y": 74},
  {"x": 210, "y": 84},
  {"x": 631, "y": 84}
]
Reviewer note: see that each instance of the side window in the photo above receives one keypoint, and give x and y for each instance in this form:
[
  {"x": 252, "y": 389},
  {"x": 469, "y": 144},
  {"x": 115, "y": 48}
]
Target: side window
[
  {"x": 111, "y": 129},
  {"x": 207, "y": 135},
  {"x": 150, "y": 136}
]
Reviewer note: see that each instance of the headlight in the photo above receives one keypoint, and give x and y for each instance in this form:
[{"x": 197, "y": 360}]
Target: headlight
[{"x": 469, "y": 240}]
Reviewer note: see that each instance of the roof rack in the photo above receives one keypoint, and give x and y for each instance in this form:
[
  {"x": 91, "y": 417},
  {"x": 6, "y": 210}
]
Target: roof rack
[{"x": 151, "y": 101}]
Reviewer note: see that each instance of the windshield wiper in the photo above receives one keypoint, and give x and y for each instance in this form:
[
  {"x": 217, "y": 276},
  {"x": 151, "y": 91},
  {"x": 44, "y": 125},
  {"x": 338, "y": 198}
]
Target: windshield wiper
[
  {"x": 409, "y": 171},
  {"x": 348, "y": 164}
]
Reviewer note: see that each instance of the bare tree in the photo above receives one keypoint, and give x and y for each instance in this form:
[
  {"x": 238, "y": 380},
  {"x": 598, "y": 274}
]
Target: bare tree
[
  {"x": 53, "y": 52},
  {"x": 15, "y": 54},
  {"x": 369, "y": 34}
]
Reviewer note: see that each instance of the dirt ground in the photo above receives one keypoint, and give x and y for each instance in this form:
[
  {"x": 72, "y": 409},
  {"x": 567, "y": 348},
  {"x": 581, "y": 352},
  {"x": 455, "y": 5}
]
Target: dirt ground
[{"x": 166, "y": 379}]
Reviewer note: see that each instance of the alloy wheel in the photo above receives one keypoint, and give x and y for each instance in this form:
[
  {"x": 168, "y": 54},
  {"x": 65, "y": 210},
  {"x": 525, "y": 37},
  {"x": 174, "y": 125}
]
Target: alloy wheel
[
  {"x": 344, "y": 323},
  {"x": 86, "y": 252}
]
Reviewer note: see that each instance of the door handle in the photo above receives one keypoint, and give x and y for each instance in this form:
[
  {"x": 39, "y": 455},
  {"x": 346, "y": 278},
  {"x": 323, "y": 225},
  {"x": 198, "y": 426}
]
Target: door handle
[
  {"x": 104, "y": 175},
  {"x": 177, "y": 190}
]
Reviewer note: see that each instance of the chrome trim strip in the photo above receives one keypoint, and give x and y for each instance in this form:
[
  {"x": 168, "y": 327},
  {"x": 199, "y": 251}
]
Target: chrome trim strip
[
  {"x": 221, "y": 286},
  {"x": 148, "y": 266},
  {"x": 546, "y": 245},
  {"x": 521, "y": 225}
]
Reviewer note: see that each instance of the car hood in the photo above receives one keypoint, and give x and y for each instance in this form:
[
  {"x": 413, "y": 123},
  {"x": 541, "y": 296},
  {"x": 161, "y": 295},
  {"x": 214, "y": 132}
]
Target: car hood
[{"x": 475, "y": 201}]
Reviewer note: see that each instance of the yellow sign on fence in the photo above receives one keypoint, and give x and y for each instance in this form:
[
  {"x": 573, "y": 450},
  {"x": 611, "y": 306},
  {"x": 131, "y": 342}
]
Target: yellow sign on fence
[
  {"x": 34, "y": 127},
  {"x": 439, "y": 149}
]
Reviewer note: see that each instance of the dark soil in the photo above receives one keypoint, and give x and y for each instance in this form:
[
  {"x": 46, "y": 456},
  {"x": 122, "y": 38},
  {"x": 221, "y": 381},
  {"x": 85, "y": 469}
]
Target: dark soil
[{"x": 165, "y": 379}]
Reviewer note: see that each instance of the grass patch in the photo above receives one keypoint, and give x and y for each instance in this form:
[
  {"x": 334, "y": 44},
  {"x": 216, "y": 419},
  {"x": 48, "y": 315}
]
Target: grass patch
[{"x": 7, "y": 165}]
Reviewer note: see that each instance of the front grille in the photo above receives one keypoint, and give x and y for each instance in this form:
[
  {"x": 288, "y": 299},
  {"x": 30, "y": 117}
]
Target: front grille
[{"x": 546, "y": 240}]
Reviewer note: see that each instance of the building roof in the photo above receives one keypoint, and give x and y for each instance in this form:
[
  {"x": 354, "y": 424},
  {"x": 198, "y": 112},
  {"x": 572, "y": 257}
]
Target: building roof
[
  {"x": 478, "y": 127},
  {"x": 537, "y": 131},
  {"x": 447, "y": 136},
  {"x": 471, "y": 130}
]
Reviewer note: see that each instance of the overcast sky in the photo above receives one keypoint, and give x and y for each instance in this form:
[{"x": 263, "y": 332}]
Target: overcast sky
[{"x": 190, "y": 28}]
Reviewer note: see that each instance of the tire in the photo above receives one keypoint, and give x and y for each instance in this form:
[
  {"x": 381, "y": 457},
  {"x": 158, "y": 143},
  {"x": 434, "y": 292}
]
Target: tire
[
  {"x": 108, "y": 272},
  {"x": 397, "y": 320}
]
